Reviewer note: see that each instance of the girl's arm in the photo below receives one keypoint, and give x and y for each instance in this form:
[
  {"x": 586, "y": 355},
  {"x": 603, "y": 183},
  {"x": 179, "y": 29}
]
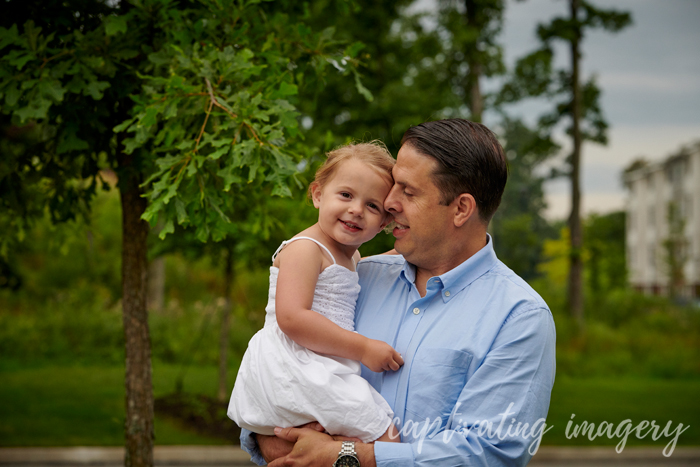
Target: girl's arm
[{"x": 300, "y": 264}]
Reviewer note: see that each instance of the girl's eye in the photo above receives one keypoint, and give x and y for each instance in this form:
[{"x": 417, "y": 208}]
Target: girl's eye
[
  {"x": 345, "y": 194},
  {"x": 373, "y": 206}
]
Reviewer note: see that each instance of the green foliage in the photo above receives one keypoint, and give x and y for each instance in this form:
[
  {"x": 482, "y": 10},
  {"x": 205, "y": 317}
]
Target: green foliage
[
  {"x": 637, "y": 335},
  {"x": 417, "y": 67},
  {"x": 197, "y": 99},
  {"x": 230, "y": 64},
  {"x": 605, "y": 243},
  {"x": 76, "y": 324},
  {"x": 676, "y": 249},
  {"x": 51, "y": 76},
  {"x": 625, "y": 332},
  {"x": 518, "y": 228}
]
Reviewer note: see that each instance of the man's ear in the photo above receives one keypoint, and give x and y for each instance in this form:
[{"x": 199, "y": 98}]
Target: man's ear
[
  {"x": 316, "y": 194},
  {"x": 465, "y": 208}
]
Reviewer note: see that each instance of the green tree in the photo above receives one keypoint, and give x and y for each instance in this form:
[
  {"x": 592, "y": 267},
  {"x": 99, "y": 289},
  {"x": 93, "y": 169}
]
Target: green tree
[
  {"x": 472, "y": 27},
  {"x": 417, "y": 66},
  {"x": 676, "y": 250},
  {"x": 575, "y": 102},
  {"x": 518, "y": 227},
  {"x": 189, "y": 102},
  {"x": 605, "y": 244}
]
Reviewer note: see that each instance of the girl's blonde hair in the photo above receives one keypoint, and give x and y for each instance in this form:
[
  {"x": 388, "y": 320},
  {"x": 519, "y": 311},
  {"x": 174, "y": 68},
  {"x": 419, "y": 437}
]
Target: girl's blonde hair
[{"x": 373, "y": 153}]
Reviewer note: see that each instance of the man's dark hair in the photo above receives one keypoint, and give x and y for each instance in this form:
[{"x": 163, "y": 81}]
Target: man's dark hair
[{"x": 470, "y": 158}]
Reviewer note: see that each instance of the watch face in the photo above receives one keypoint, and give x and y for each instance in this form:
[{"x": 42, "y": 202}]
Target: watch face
[{"x": 347, "y": 461}]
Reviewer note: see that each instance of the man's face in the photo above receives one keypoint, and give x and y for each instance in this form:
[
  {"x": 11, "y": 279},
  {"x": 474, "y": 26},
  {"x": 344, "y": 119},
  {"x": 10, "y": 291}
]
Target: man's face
[{"x": 414, "y": 200}]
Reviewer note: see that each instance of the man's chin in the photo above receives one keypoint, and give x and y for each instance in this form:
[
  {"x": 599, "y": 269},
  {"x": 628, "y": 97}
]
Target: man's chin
[{"x": 400, "y": 246}]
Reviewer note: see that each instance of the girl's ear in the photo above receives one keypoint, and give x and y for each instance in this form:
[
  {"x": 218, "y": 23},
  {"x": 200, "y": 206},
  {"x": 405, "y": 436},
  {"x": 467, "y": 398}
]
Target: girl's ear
[{"x": 316, "y": 194}]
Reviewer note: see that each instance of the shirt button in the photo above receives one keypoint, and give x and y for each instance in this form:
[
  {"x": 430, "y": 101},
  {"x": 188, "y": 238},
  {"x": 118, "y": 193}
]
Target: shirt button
[
  {"x": 416, "y": 311},
  {"x": 447, "y": 293}
]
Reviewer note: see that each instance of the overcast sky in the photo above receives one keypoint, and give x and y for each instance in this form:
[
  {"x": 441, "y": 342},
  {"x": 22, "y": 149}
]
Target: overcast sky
[{"x": 650, "y": 77}]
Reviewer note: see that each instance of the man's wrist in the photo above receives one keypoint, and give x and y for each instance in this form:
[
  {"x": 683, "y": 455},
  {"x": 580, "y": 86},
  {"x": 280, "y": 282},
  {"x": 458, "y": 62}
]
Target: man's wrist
[
  {"x": 365, "y": 453},
  {"x": 347, "y": 456}
]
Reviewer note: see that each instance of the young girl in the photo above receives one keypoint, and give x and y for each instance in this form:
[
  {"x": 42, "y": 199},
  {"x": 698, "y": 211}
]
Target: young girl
[{"x": 303, "y": 366}]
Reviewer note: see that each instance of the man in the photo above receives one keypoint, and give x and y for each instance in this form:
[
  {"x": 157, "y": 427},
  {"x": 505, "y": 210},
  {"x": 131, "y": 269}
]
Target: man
[{"x": 477, "y": 341}]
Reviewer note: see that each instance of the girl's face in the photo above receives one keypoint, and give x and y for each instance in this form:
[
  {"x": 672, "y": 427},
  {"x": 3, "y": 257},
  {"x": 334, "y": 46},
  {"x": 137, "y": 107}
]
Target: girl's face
[{"x": 351, "y": 203}]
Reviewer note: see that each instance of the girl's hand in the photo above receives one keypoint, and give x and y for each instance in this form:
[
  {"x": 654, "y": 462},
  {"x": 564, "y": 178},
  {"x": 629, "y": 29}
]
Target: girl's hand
[{"x": 380, "y": 356}]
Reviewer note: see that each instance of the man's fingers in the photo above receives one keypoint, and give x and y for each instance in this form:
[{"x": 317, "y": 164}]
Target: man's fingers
[
  {"x": 279, "y": 462},
  {"x": 290, "y": 434},
  {"x": 313, "y": 426}
]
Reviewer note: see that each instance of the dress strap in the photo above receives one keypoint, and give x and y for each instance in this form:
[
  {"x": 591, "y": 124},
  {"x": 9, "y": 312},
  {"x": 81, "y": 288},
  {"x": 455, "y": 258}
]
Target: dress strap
[{"x": 286, "y": 242}]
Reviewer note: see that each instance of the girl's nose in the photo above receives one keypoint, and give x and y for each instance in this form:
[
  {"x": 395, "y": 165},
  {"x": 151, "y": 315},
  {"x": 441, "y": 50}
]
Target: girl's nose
[{"x": 355, "y": 209}]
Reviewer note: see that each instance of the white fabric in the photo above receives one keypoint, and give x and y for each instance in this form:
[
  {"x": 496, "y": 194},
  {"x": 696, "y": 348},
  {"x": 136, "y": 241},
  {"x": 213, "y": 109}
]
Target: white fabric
[{"x": 281, "y": 383}]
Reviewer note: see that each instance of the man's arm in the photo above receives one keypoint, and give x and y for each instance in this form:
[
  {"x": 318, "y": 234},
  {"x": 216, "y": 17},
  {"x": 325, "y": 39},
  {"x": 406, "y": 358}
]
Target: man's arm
[
  {"x": 250, "y": 445},
  {"x": 518, "y": 370},
  {"x": 314, "y": 449},
  {"x": 264, "y": 449}
]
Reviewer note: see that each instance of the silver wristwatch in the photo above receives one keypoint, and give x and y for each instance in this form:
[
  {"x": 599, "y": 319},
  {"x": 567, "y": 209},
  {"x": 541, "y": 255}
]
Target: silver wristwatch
[{"x": 347, "y": 457}]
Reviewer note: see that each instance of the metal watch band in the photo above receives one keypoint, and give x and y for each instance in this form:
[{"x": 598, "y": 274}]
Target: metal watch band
[{"x": 348, "y": 447}]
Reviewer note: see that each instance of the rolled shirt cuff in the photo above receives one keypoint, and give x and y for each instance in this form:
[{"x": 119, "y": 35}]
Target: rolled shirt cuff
[
  {"x": 393, "y": 454},
  {"x": 250, "y": 445}
]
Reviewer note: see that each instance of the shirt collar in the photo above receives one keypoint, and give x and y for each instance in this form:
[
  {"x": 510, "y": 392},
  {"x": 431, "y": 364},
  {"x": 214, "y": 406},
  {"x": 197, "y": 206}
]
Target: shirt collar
[{"x": 455, "y": 280}]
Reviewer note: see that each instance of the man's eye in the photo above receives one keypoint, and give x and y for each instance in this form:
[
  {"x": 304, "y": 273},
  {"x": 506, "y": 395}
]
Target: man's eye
[{"x": 407, "y": 193}]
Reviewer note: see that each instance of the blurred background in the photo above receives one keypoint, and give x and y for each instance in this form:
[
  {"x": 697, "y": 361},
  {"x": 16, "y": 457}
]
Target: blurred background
[{"x": 628, "y": 323}]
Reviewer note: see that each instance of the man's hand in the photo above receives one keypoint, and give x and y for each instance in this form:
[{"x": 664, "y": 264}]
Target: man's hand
[
  {"x": 380, "y": 356},
  {"x": 310, "y": 448},
  {"x": 272, "y": 447}
]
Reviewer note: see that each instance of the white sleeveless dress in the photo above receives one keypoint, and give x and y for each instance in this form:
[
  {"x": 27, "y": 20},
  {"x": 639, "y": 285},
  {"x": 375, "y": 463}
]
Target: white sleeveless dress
[{"x": 281, "y": 383}]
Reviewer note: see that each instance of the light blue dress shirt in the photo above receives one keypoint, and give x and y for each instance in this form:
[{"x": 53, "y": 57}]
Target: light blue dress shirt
[{"x": 479, "y": 362}]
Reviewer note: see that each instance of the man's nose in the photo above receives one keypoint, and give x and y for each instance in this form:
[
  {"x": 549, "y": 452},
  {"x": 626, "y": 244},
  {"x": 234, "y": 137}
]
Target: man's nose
[{"x": 391, "y": 203}]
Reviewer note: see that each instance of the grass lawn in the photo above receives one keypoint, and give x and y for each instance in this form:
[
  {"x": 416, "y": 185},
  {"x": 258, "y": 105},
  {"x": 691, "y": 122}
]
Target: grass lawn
[
  {"x": 73, "y": 406},
  {"x": 85, "y": 406},
  {"x": 615, "y": 400}
]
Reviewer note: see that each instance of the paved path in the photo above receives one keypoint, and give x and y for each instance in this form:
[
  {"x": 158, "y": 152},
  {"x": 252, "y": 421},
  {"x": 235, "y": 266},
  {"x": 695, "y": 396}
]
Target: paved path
[{"x": 209, "y": 456}]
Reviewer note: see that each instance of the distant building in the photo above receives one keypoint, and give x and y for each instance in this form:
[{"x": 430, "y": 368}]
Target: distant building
[{"x": 663, "y": 224}]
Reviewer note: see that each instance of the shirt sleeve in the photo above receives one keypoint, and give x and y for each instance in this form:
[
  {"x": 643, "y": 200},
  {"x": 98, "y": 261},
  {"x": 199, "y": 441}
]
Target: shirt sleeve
[
  {"x": 250, "y": 445},
  {"x": 499, "y": 418}
]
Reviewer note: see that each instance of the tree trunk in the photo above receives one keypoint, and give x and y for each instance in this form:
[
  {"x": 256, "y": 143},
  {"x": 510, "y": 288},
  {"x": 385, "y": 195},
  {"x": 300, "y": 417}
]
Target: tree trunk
[
  {"x": 224, "y": 333},
  {"x": 575, "y": 228},
  {"x": 139, "y": 394},
  {"x": 473, "y": 88}
]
